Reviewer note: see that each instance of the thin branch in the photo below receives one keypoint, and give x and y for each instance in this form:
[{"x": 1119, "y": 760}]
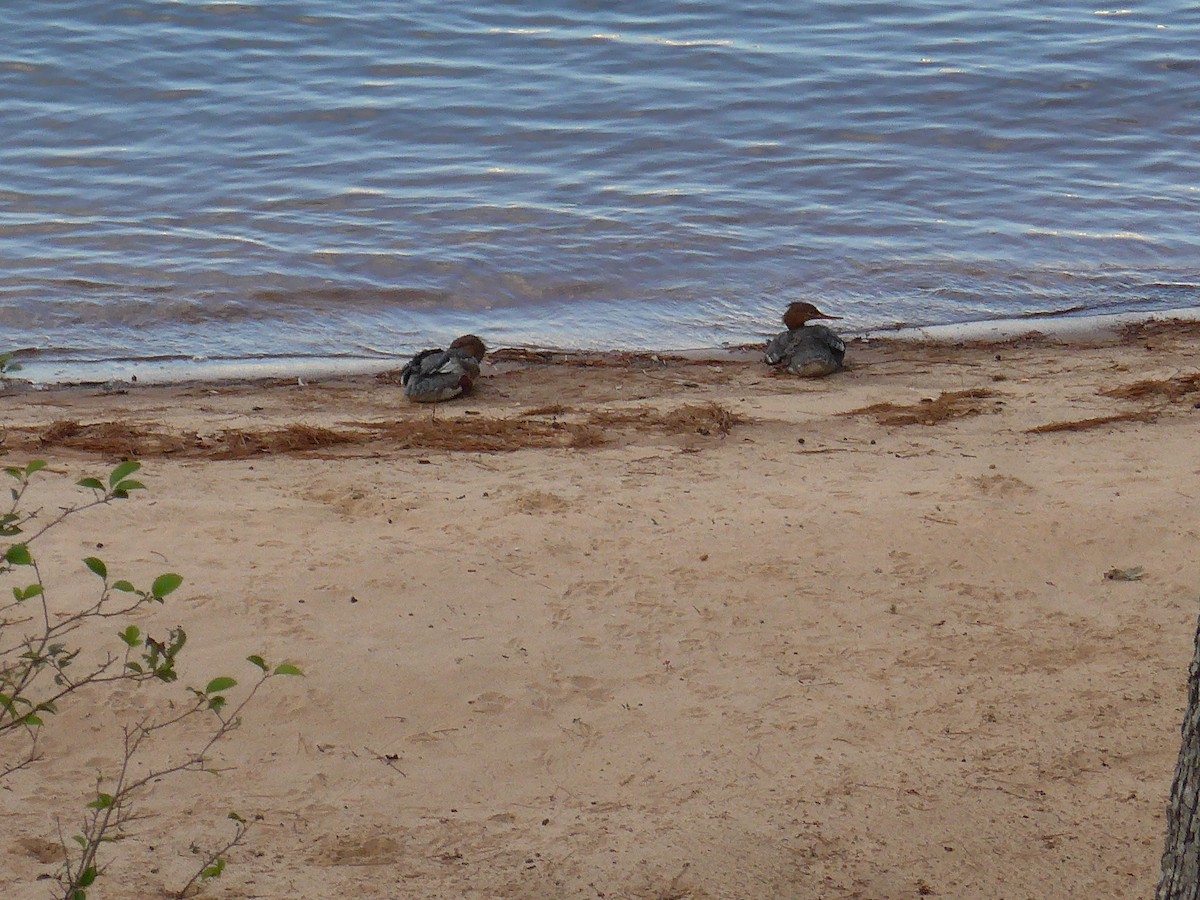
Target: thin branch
[{"x": 216, "y": 857}]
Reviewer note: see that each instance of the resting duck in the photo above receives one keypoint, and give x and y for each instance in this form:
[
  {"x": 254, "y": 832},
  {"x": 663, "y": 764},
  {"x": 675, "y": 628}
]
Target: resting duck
[
  {"x": 809, "y": 351},
  {"x": 435, "y": 375}
]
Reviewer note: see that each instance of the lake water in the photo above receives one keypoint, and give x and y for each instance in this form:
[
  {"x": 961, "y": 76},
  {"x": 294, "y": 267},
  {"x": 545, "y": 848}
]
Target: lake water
[{"x": 290, "y": 180}]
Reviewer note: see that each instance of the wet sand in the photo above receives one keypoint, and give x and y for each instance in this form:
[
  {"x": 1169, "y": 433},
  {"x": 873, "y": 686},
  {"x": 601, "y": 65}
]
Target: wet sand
[{"x": 653, "y": 627}]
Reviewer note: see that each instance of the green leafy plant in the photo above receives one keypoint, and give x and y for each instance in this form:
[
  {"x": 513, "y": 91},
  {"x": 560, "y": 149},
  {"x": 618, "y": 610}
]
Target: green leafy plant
[{"x": 48, "y": 656}]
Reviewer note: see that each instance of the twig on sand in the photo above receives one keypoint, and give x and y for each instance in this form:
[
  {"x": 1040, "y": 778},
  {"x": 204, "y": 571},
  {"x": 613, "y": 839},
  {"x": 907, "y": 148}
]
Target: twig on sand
[{"x": 388, "y": 760}]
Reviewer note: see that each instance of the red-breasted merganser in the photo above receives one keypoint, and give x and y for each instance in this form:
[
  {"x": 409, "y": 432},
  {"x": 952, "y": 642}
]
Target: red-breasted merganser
[
  {"x": 809, "y": 351},
  {"x": 435, "y": 375}
]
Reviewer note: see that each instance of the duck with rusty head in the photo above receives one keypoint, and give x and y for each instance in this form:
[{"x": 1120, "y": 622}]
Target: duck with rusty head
[
  {"x": 436, "y": 375},
  {"x": 809, "y": 351}
]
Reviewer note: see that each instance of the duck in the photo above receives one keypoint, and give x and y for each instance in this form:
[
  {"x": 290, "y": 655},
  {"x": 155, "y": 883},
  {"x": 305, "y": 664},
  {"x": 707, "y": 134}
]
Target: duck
[
  {"x": 436, "y": 375},
  {"x": 810, "y": 351}
]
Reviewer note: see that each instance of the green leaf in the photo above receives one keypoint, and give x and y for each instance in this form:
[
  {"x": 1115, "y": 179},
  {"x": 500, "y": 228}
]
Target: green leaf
[
  {"x": 132, "y": 635},
  {"x": 32, "y": 721},
  {"x": 123, "y": 471},
  {"x": 34, "y": 465},
  {"x": 102, "y": 801},
  {"x": 124, "y": 586},
  {"x": 216, "y": 703},
  {"x": 217, "y": 685},
  {"x": 213, "y": 871},
  {"x": 14, "y": 472},
  {"x": 34, "y": 590},
  {"x": 18, "y": 555},
  {"x": 128, "y": 485},
  {"x": 134, "y": 667},
  {"x": 79, "y": 894},
  {"x": 286, "y": 669},
  {"x": 80, "y": 840},
  {"x": 87, "y": 876},
  {"x": 97, "y": 566},
  {"x": 94, "y": 483},
  {"x": 258, "y": 661},
  {"x": 164, "y": 584}
]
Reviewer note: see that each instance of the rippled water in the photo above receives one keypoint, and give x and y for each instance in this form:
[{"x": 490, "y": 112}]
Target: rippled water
[{"x": 236, "y": 180}]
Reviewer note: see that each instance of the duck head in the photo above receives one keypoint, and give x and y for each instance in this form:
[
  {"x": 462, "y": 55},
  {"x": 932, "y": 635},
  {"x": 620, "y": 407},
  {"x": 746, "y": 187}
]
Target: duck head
[
  {"x": 799, "y": 313},
  {"x": 470, "y": 344}
]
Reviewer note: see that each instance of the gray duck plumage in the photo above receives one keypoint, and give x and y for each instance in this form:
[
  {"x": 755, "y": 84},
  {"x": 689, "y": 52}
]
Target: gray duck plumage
[
  {"x": 810, "y": 351},
  {"x": 436, "y": 375}
]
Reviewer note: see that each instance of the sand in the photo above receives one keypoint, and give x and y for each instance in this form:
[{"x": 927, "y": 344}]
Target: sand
[{"x": 638, "y": 627}]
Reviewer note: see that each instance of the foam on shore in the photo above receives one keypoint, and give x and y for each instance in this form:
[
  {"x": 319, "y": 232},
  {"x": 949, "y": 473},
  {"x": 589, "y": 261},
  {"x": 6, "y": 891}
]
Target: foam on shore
[
  {"x": 118, "y": 372},
  {"x": 1093, "y": 326}
]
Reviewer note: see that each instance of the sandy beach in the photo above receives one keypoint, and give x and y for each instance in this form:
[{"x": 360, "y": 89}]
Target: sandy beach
[{"x": 635, "y": 626}]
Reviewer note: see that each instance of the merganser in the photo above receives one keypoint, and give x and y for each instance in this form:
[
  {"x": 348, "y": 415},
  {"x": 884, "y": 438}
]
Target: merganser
[
  {"x": 435, "y": 375},
  {"x": 809, "y": 351}
]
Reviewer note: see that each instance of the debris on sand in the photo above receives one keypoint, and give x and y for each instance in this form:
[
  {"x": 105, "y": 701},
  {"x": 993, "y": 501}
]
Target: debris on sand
[
  {"x": 930, "y": 411},
  {"x": 1133, "y": 573},
  {"x": 1097, "y": 422},
  {"x": 458, "y": 433},
  {"x": 1169, "y": 389},
  {"x": 691, "y": 418}
]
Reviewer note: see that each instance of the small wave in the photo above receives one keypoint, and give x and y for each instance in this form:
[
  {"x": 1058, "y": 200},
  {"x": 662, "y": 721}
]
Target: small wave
[
  {"x": 227, "y": 7},
  {"x": 697, "y": 42},
  {"x": 1090, "y": 235},
  {"x": 617, "y": 37}
]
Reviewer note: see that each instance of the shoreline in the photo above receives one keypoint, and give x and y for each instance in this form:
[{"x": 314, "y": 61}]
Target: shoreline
[{"x": 45, "y": 374}]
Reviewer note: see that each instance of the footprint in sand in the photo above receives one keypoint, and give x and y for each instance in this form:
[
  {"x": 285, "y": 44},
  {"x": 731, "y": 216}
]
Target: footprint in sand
[
  {"x": 1002, "y": 485},
  {"x": 537, "y": 502},
  {"x": 348, "y": 850}
]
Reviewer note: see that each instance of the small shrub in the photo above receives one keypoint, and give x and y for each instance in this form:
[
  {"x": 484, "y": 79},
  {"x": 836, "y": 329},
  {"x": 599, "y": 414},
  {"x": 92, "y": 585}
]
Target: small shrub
[{"x": 48, "y": 658}]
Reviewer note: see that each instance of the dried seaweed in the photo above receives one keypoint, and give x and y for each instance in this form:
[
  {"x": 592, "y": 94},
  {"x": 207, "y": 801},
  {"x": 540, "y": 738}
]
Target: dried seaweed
[
  {"x": 691, "y": 418},
  {"x": 107, "y": 438},
  {"x": 455, "y": 433},
  {"x": 947, "y": 405},
  {"x": 481, "y": 434},
  {"x": 1097, "y": 422},
  {"x": 553, "y": 409},
  {"x": 1170, "y": 389},
  {"x": 236, "y": 443},
  {"x": 1137, "y": 332}
]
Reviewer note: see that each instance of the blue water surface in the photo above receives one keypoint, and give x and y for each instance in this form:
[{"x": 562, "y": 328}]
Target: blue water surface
[{"x": 299, "y": 179}]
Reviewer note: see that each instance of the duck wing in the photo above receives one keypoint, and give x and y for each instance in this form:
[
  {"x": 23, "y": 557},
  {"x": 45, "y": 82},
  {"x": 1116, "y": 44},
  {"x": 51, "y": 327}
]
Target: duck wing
[
  {"x": 460, "y": 362},
  {"x": 437, "y": 375},
  {"x": 829, "y": 339},
  {"x": 418, "y": 365},
  {"x": 779, "y": 349},
  {"x": 811, "y": 350}
]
